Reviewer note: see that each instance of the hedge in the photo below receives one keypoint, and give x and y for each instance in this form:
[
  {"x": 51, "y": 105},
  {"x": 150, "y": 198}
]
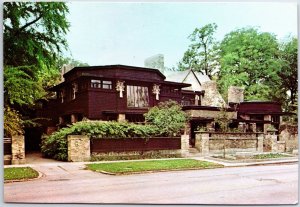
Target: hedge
[{"x": 56, "y": 146}]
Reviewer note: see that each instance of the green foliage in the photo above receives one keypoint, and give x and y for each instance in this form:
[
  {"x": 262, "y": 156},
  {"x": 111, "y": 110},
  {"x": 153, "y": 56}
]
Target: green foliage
[
  {"x": 34, "y": 32},
  {"x": 202, "y": 53},
  {"x": 269, "y": 156},
  {"x": 19, "y": 173},
  {"x": 33, "y": 36},
  {"x": 55, "y": 145},
  {"x": 202, "y": 129},
  {"x": 223, "y": 120},
  {"x": 155, "y": 165},
  {"x": 136, "y": 156},
  {"x": 13, "y": 124},
  {"x": 288, "y": 74},
  {"x": 20, "y": 85},
  {"x": 249, "y": 58},
  {"x": 168, "y": 117}
]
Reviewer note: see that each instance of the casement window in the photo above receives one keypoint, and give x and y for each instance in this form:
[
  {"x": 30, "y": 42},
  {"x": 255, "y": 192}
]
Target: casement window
[
  {"x": 96, "y": 83},
  {"x": 137, "y": 96},
  {"x": 101, "y": 84},
  {"x": 107, "y": 84}
]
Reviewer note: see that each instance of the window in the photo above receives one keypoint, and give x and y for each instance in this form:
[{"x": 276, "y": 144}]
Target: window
[
  {"x": 137, "y": 96},
  {"x": 107, "y": 84},
  {"x": 96, "y": 83},
  {"x": 101, "y": 84}
]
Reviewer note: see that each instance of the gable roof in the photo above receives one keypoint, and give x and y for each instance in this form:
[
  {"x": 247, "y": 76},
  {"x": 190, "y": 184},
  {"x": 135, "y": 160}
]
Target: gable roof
[{"x": 188, "y": 76}]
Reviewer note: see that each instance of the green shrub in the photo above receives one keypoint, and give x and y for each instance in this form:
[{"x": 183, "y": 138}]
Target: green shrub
[
  {"x": 168, "y": 117},
  {"x": 56, "y": 145},
  {"x": 165, "y": 120}
]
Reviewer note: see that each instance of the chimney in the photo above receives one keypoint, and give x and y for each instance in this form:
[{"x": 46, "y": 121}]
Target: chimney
[
  {"x": 64, "y": 69},
  {"x": 212, "y": 97},
  {"x": 235, "y": 94},
  {"x": 156, "y": 62}
]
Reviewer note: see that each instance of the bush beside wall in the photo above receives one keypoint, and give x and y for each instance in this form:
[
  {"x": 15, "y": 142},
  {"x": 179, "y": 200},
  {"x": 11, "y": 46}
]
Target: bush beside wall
[{"x": 55, "y": 145}]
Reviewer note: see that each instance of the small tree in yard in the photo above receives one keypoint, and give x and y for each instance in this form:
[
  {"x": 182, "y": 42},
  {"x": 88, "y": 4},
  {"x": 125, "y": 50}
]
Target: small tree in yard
[
  {"x": 168, "y": 117},
  {"x": 223, "y": 120}
]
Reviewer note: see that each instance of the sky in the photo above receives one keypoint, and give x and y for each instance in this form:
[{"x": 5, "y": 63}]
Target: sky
[{"x": 128, "y": 33}]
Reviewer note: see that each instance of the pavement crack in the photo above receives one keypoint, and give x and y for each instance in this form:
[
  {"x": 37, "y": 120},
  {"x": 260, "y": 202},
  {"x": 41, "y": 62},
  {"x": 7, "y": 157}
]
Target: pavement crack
[
  {"x": 269, "y": 179},
  {"x": 63, "y": 168}
]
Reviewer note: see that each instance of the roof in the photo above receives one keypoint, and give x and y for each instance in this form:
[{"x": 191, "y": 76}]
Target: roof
[
  {"x": 188, "y": 76},
  {"x": 115, "y": 66}
]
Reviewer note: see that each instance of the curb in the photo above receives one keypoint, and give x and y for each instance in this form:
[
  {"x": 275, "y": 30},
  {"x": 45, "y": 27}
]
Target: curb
[
  {"x": 231, "y": 163},
  {"x": 155, "y": 171}
]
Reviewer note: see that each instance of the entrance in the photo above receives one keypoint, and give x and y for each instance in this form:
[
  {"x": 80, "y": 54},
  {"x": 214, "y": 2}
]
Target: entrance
[
  {"x": 195, "y": 125},
  {"x": 33, "y": 139}
]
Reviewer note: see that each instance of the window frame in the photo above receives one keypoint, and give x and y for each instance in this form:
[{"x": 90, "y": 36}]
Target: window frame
[{"x": 132, "y": 90}]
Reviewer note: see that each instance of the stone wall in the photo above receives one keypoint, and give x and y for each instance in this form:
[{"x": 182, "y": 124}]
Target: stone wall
[
  {"x": 231, "y": 143},
  {"x": 210, "y": 113},
  {"x": 289, "y": 135},
  {"x": 17, "y": 150},
  {"x": 78, "y": 148}
]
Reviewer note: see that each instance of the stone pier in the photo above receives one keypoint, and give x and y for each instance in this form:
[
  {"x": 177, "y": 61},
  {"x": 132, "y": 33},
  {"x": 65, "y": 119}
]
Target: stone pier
[
  {"x": 18, "y": 150},
  {"x": 79, "y": 148}
]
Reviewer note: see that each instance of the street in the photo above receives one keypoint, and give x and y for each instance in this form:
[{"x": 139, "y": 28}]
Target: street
[{"x": 70, "y": 183}]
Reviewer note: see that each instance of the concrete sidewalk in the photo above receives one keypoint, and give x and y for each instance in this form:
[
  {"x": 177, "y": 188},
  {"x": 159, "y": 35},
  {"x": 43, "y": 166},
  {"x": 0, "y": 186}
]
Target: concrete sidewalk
[
  {"x": 248, "y": 162},
  {"x": 36, "y": 159}
]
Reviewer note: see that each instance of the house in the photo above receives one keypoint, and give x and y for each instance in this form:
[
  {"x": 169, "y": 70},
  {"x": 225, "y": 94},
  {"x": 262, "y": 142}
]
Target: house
[
  {"x": 113, "y": 92},
  {"x": 120, "y": 92}
]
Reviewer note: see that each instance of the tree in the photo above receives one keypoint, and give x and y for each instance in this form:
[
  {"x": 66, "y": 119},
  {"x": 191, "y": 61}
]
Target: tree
[
  {"x": 168, "y": 117},
  {"x": 288, "y": 72},
  {"x": 34, "y": 32},
  {"x": 249, "y": 58},
  {"x": 33, "y": 40},
  {"x": 201, "y": 54}
]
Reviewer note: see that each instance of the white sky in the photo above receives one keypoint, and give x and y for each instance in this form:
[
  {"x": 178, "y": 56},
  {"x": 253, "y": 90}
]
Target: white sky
[{"x": 128, "y": 33}]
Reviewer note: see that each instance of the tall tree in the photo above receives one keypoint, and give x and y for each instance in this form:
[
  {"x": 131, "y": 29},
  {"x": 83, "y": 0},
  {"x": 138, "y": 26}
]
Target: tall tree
[
  {"x": 250, "y": 58},
  {"x": 34, "y": 32},
  {"x": 288, "y": 72},
  {"x": 201, "y": 54},
  {"x": 33, "y": 40}
]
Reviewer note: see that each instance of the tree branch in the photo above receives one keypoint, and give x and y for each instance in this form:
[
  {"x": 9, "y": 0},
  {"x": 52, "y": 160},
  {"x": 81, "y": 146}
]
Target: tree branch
[{"x": 27, "y": 25}]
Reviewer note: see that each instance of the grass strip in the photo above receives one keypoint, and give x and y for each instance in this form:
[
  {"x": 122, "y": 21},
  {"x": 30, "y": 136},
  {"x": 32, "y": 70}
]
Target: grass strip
[
  {"x": 269, "y": 156},
  {"x": 19, "y": 173},
  {"x": 153, "y": 165}
]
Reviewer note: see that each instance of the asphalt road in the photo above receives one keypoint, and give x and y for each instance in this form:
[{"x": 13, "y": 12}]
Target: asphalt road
[{"x": 70, "y": 183}]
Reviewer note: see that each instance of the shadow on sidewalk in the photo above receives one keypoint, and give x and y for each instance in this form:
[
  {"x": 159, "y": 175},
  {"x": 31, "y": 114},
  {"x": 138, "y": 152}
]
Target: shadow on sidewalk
[{"x": 36, "y": 158}]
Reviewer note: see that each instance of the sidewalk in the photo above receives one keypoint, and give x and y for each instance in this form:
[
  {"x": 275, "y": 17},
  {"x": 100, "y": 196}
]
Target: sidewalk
[
  {"x": 36, "y": 159},
  {"x": 241, "y": 163}
]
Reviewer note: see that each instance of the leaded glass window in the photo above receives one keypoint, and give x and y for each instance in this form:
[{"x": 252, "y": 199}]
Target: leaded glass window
[{"x": 137, "y": 96}]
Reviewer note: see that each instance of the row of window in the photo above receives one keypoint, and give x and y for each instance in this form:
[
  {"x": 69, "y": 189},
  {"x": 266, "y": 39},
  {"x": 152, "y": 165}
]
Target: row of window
[
  {"x": 101, "y": 84},
  {"x": 137, "y": 96}
]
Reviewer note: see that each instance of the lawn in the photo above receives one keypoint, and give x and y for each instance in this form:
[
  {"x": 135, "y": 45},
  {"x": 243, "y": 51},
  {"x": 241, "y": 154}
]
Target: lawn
[
  {"x": 153, "y": 165},
  {"x": 19, "y": 173},
  {"x": 269, "y": 156}
]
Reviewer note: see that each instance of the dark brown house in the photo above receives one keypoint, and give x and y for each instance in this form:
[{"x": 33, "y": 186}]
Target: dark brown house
[
  {"x": 119, "y": 92},
  {"x": 114, "y": 92}
]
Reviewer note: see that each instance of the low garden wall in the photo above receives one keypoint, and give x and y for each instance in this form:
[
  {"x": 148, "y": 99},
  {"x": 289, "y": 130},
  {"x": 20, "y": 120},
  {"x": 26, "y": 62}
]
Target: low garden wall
[
  {"x": 230, "y": 143},
  {"x": 81, "y": 148},
  {"x": 289, "y": 135}
]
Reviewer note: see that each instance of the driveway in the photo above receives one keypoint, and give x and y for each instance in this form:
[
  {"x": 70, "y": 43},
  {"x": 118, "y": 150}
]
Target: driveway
[{"x": 70, "y": 183}]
